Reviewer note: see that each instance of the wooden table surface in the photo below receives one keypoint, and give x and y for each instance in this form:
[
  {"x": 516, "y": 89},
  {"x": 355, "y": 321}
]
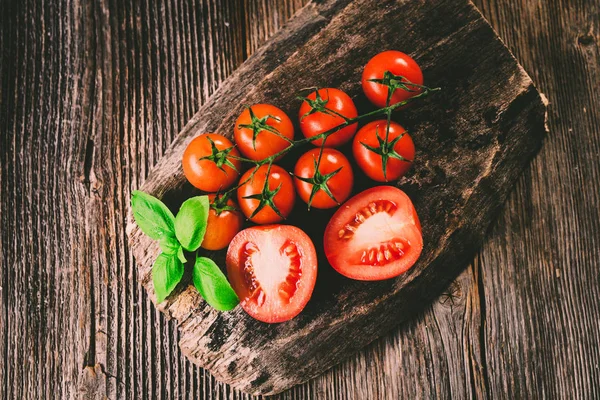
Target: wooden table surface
[{"x": 93, "y": 92}]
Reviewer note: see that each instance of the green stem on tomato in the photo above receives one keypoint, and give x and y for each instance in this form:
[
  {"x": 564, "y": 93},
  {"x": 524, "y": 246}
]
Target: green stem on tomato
[{"x": 387, "y": 110}]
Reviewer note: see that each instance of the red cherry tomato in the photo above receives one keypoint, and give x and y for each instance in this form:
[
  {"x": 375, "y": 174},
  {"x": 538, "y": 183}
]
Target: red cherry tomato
[
  {"x": 339, "y": 184},
  {"x": 375, "y": 235},
  {"x": 279, "y": 182},
  {"x": 208, "y": 175},
  {"x": 222, "y": 226},
  {"x": 371, "y": 162},
  {"x": 267, "y": 143},
  {"x": 319, "y": 122},
  {"x": 398, "y": 64},
  {"x": 273, "y": 270}
]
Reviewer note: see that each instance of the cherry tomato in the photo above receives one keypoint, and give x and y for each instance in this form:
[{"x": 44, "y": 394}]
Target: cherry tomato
[
  {"x": 338, "y": 183},
  {"x": 222, "y": 226},
  {"x": 398, "y": 64},
  {"x": 267, "y": 143},
  {"x": 371, "y": 162},
  {"x": 280, "y": 193},
  {"x": 210, "y": 175},
  {"x": 273, "y": 270},
  {"x": 375, "y": 235},
  {"x": 319, "y": 122}
]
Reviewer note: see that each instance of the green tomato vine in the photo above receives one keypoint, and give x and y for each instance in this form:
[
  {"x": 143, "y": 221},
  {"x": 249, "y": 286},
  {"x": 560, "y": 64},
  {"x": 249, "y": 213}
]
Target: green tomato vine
[{"x": 319, "y": 181}]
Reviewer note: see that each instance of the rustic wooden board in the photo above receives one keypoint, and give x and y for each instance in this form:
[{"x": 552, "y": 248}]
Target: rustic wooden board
[{"x": 473, "y": 141}]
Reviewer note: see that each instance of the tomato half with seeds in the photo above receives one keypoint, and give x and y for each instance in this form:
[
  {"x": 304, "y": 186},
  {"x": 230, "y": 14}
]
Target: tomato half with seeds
[
  {"x": 207, "y": 162},
  {"x": 272, "y": 125},
  {"x": 399, "y": 65},
  {"x": 222, "y": 225},
  {"x": 334, "y": 175},
  {"x": 273, "y": 270},
  {"x": 399, "y": 143},
  {"x": 338, "y": 105},
  {"x": 276, "y": 201},
  {"x": 375, "y": 235}
]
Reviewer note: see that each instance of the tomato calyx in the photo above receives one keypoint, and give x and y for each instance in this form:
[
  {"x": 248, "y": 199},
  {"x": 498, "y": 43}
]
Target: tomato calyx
[
  {"x": 266, "y": 197},
  {"x": 319, "y": 181},
  {"x": 220, "y": 157},
  {"x": 219, "y": 204},
  {"x": 386, "y": 149},
  {"x": 319, "y": 104},
  {"x": 393, "y": 82},
  {"x": 257, "y": 125}
]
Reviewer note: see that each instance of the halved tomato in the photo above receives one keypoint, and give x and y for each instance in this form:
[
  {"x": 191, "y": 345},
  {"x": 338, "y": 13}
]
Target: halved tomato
[
  {"x": 273, "y": 270},
  {"x": 375, "y": 235}
]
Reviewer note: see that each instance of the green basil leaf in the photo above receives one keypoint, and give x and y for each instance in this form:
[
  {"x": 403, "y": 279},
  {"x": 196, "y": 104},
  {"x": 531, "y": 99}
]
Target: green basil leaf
[
  {"x": 213, "y": 285},
  {"x": 190, "y": 223},
  {"x": 167, "y": 271},
  {"x": 152, "y": 216},
  {"x": 169, "y": 244},
  {"x": 180, "y": 255}
]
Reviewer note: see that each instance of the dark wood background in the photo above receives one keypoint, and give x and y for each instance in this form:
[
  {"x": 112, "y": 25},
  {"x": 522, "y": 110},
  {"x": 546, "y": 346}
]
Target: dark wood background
[{"x": 92, "y": 92}]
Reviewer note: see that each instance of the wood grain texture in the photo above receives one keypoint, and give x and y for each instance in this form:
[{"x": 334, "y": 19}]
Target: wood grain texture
[
  {"x": 539, "y": 277},
  {"x": 474, "y": 138},
  {"x": 535, "y": 336}
]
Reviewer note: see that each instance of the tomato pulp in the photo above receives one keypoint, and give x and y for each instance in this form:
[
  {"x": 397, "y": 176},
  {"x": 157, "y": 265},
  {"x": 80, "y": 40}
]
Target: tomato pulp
[
  {"x": 273, "y": 270},
  {"x": 375, "y": 235}
]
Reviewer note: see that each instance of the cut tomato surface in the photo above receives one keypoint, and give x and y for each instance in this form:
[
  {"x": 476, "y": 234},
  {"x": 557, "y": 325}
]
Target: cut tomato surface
[
  {"x": 375, "y": 235},
  {"x": 273, "y": 270}
]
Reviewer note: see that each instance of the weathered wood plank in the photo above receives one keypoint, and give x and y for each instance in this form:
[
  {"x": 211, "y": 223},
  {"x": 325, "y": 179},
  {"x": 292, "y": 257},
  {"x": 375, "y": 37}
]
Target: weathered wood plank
[
  {"x": 492, "y": 123},
  {"x": 540, "y": 278},
  {"x": 144, "y": 101}
]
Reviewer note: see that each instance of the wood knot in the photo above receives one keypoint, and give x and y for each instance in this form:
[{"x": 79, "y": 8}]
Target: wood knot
[
  {"x": 452, "y": 296},
  {"x": 586, "y": 40}
]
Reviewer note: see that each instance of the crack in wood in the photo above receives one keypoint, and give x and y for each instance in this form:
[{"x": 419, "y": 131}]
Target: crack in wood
[
  {"x": 477, "y": 276},
  {"x": 87, "y": 164},
  {"x": 90, "y": 45}
]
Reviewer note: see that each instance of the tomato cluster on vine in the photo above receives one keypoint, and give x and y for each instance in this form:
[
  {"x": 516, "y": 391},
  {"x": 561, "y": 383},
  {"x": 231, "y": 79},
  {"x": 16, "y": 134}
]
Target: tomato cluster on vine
[
  {"x": 323, "y": 177},
  {"x": 273, "y": 268}
]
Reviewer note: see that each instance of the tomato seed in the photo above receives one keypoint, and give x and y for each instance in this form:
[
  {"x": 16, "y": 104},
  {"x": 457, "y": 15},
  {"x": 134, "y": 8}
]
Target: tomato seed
[
  {"x": 288, "y": 288},
  {"x": 256, "y": 292},
  {"x": 383, "y": 253}
]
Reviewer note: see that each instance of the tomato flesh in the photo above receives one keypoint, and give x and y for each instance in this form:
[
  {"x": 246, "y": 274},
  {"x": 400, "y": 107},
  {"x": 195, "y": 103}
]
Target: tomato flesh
[
  {"x": 273, "y": 270},
  {"x": 375, "y": 235}
]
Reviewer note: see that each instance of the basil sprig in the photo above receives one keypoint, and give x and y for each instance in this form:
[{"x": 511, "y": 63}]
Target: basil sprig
[
  {"x": 176, "y": 234},
  {"x": 213, "y": 286},
  {"x": 190, "y": 223},
  {"x": 167, "y": 271}
]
